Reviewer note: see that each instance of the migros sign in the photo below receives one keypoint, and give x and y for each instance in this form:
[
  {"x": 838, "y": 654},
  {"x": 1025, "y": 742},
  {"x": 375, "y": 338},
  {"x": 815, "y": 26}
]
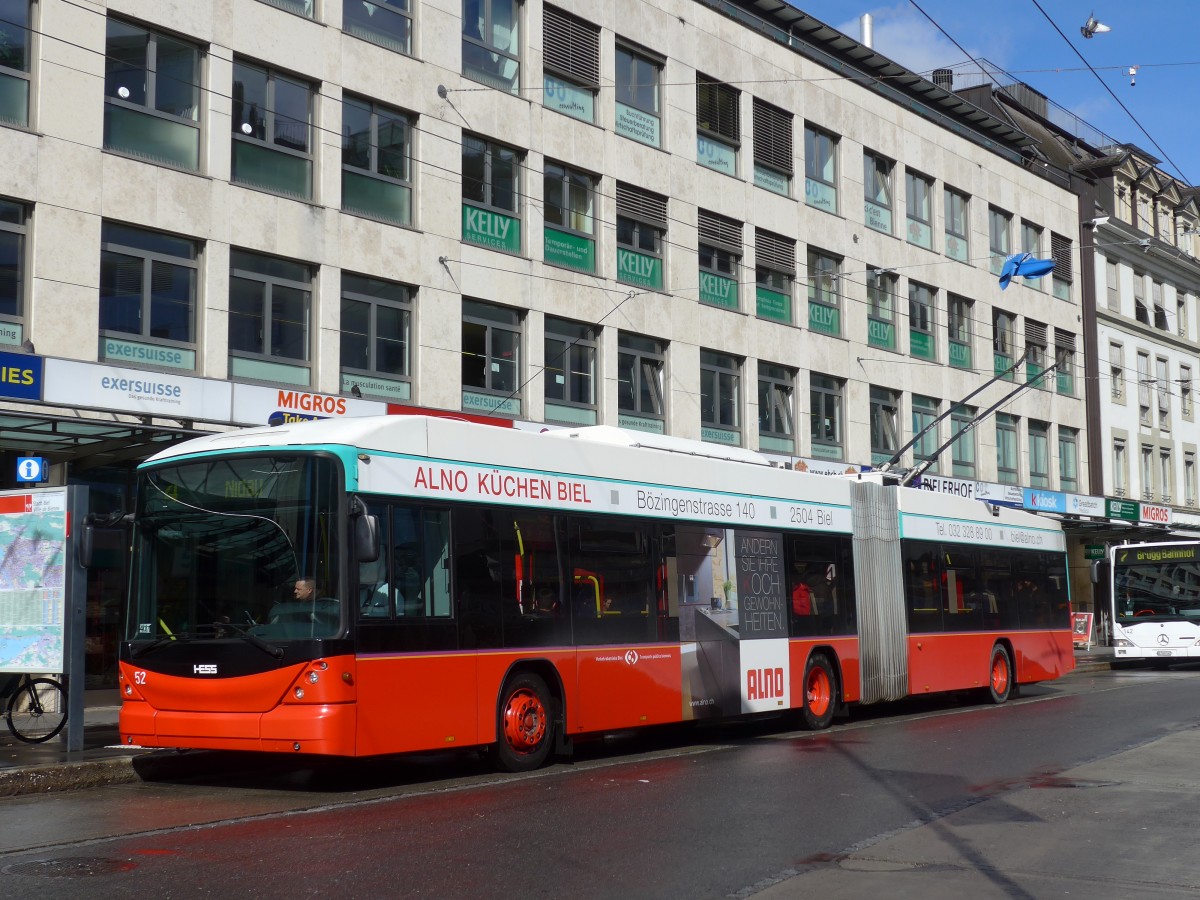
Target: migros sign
[{"x": 312, "y": 403}]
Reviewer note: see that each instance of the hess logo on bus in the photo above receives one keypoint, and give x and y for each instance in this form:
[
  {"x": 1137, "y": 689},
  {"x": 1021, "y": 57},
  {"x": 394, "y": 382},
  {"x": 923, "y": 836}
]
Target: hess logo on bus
[{"x": 204, "y": 669}]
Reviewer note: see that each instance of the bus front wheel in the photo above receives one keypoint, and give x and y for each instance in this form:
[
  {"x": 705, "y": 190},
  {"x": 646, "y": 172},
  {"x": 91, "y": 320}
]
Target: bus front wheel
[
  {"x": 1000, "y": 675},
  {"x": 820, "y": 693},
  {"x": 525, "y": 726}
]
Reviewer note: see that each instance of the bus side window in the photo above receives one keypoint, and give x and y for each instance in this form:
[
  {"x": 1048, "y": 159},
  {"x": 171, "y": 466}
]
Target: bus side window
[{"x": 614, "y": 579}]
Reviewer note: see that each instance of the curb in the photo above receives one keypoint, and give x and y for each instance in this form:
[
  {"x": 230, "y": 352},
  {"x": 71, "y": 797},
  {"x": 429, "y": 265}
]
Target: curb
[
  {"x": 1091, "y": 665},
  {"x": 67, "y": 776}
]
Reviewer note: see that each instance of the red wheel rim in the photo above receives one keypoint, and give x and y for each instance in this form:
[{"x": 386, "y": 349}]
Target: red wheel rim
[
  {"x": 818, "y": 691},
  {"x": 524, "y": 721},
  {"x": 999, "y": 674}
]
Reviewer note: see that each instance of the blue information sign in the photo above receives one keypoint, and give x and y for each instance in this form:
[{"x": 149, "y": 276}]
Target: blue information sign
[{"x": 31, "y": 469}]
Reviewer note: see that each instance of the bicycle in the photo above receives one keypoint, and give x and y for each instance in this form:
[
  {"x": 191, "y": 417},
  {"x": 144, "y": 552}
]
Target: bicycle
[{"x": 37, "y": 708}]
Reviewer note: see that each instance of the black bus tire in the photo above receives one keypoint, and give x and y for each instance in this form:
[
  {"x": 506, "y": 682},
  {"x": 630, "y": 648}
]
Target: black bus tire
[
  {"x": 819, "y": 693},
  {"x": 1000, "y": 675},
  {"x": 525, "y": 723}
]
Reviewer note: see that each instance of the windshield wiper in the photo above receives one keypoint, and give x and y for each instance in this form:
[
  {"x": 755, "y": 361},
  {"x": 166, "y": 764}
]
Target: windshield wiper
[
  {"x": 158, "y": 642},
  {"x": 249, "y": 637}
]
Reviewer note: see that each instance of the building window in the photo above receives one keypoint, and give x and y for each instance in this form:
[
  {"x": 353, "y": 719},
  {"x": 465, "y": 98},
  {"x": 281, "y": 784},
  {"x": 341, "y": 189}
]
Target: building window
[
  {"x": 1181, "y": 321},
  {"x": 1007, "y": 458},
  {"x": 1147, "y": 472},
  {"x": 957, "y": 224},
  {"x": 387, "y": 23},
  {"x": 641, "y": 365},
  {"x": 720, "y": 398},
  {"x": 881, "y": 308},
  {"x": 1061, "y": 252},
  {"x": 270, "y": 300},
  {"x": 1160, "y": 311},
  {"x": 1185, "y": 391},
  {"x": 1166, "y": 480},
  {"x": 491, "y": 51},
  {"x": 825, "y": 403},
  {"x": 1189, "y": 479},
  {"x": 775, "y": 272},
  {"x": 376, "y": 161},
  {"x": 151, "y": 96},
  {"x": 1116, "y": 370},
  {"x": 490, "y": 191},
  {"x": 1031, "y": 238},
  {"x": 491, "y": 358},
  {"x": 1039, "y": 455},
  {"x": 1035, "y": 353},
  {"x": 1113, "y": 285},
  {"x": 962, "y": 450},
  {"x": 1119, "y": 473},
  {"x": 571, "y": 63},
  {"x": 720, "y": 252},
  {"x": 718, "y": 125},
  {"x": 1068, "y": 459},
  {"x": 925, "y": 411},
  {"x": 824, "y": 293},
  {"x": 877, "y": 192},
  {"x": 1064, "y": 359},
  {"x": 272, "y": 131},
  {"x": 918, "y": 195},
  {"x": 15, "y": 16},
  {"x": 376, "y": 328},
  {"x": 569, "y": 372},
  {"x": 569, "y": 234},
  {"x": 638, "y": 76},
  {"x": 641, "y": 231},
  {"x": 922, "y": 342},
  {"x": 1003, "y": 342},
  {"x": 299, "y": 7},
  {"x": 885, "y": 424},
  {"x": 772, "y": 148},
  {"x": 13, "y": 229},
  {"x": 1145, "y": 386},
  {"x": 1140, "y": 312},
  {"x": 820, "y": 170},
  {"x": 776, "y": 426},
  {"x": 958, "y": 330},
  {"x": 1163, "y": 378},
  {"x": 147, "y": 297},
  {"x": 999, "y": 225}
]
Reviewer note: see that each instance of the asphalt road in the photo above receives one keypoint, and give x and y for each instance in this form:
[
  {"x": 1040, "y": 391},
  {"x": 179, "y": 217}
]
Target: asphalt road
[{"x": 718, "y": 812}]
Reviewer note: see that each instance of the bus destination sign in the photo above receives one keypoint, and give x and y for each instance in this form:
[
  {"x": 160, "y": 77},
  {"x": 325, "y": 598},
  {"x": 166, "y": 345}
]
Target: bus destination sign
[{"x": 1165, "y": 553}]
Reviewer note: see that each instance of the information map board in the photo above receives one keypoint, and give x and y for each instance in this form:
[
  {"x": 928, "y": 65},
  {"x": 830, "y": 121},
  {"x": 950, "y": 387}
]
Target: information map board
[{"x": 34, "y": 528}]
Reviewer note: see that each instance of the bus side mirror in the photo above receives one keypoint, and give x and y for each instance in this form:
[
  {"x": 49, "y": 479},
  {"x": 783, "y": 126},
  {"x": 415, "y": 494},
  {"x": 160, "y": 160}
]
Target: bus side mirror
[
  {"x": 1099, "y": 571},
  {"x": 85, "y": 547},
  {"x": 366, "y": 538}
]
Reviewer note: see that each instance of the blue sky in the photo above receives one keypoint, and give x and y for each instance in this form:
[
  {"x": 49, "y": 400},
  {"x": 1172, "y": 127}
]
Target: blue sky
[{"x": 1157, "y": 36}]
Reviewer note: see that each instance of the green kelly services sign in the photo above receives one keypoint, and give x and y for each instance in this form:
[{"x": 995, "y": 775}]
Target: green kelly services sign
[{"x": 491, "y": 229}]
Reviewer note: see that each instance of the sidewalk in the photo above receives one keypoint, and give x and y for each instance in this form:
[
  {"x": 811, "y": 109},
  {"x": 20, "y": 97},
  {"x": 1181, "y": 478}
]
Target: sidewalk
[{"x": 43, "y": 768}]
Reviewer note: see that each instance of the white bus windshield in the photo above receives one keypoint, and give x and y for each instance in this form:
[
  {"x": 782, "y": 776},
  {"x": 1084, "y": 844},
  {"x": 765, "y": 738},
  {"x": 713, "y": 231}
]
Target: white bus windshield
[
  {"x": 237, "y": 547},
  {"x": 1160, "y": 581}
]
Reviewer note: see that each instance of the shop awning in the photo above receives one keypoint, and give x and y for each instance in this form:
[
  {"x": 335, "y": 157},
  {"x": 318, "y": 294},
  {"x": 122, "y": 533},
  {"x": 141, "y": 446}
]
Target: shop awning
[{"x": 85, "y": 442}]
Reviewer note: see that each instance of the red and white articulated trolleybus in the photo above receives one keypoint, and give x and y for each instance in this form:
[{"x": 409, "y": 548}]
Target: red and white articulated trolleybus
[{"x": 381, "y": 585}]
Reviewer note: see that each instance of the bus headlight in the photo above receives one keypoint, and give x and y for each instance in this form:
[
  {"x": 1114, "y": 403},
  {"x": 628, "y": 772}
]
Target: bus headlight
[
  {"x": 299, "y": 693},
  {"x": 1122, "y": 642},
  {"x": 313, "y": 677}
]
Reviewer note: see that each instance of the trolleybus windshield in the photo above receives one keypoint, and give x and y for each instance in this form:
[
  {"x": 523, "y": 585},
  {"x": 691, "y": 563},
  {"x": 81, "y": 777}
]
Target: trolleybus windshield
[{"x": 241, "y": 546}]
